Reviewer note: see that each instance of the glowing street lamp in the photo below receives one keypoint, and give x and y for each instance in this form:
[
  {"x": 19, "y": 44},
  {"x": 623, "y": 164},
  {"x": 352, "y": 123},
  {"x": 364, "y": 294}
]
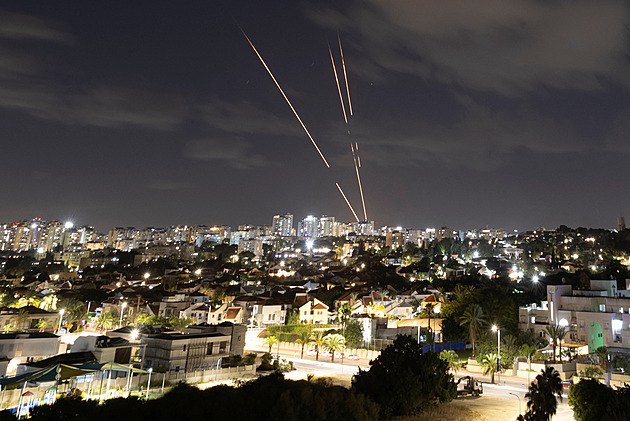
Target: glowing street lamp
[
  {"x": 496, "y": 329},
  {"x": 198, "y": 272},
  {"x": 60, "y": 319},
  {"x": 122, "y": 310},
  {"x": 150, "y": 370},
  {"x": 147, "y": 275}
]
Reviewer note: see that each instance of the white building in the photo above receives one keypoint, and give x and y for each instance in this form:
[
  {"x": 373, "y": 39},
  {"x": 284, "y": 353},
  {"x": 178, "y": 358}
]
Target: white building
[{"x": 597, "y": 317}]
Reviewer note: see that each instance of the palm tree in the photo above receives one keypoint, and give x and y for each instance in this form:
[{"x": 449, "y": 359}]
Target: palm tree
[
  {"x": 271, "y": 340},
  {"x": 461, "y": 292},
  {"x": 452, "y": 359},
  {"x": 106, "y": 320},
  {"x": 542, "y": 393},
  {"x": 344, "y": 315},
  {"x": 48, "y": 303},
  {"x": 475, "y": 319},
  {"x": 303, "y": 338},
  {"x": 42, "y": 324},
  {"x": 556, "y": 333},
  {"x": 318, "y": 341},
  {"x": 427, "y": 311},
  {"x": 20, "y": 318},
  {"x": 333, "y": 343},
  {"x": 75, "y": 310},
  {"x": 528, "y": 351},
  {"x": 180, "y": 323},
  {"x": 489, "y": 363},
  {"x": 604, "y": 363}
]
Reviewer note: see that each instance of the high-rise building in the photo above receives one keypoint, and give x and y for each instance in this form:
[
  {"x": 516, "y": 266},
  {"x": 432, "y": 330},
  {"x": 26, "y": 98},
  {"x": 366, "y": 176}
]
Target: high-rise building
[
  {"x": 621, "y": 223},
  {"x": 326, "y": 226},
  {"x": 308, "y": 227},
  {"x": 282, "y": 225}
]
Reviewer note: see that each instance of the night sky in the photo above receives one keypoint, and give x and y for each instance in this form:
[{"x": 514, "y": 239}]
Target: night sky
[{"x": 507, "y": 113}]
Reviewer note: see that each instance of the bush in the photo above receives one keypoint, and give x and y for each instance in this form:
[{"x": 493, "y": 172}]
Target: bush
[{"x": 404, "y": 381}]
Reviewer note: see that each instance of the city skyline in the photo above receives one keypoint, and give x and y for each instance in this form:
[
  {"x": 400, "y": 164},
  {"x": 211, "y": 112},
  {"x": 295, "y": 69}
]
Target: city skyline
[{"x": 509, "y": 115}]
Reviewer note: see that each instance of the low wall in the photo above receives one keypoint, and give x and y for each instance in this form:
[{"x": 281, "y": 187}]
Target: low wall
[{"x": 117, "y": 386}]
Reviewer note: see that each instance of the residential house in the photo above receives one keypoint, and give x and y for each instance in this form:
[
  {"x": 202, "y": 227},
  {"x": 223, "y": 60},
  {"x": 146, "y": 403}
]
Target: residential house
[
  {"x": 311, "y": 310},
  {"x": 182, "y": 352}
]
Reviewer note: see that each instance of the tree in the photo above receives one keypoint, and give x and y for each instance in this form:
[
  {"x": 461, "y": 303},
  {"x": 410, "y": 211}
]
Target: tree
[
  {"x": 75, "y": 310},
  {"x": 405, "y": 381},
  {"x": 42, "y": 324},
  {"x": 474, "y": 318},
  {"x": 489, "y": 362},
  {"x": 604, "y": 362},
  {"x": 428, "y": 311},
  {"x": 452, "y": 359},
  {"x": 318, "y": 340},
  {"x": 556, "y": 334},
  {"x": 353, "y": 334},
  {"x": 106, "y": 320},
  {"x": 593, "y": 401},
  {"x": 20, "y": 318},
  {"x": 303, "y": 338},
  {"x": 344, "y": 315},
  {"x": 271, "y": 340},
  {"x": 180, "y": 323},
  {"x": 542, "y": 404},
  {"x": 333, "y": 343},
  {"x": 528, "y": 351}
]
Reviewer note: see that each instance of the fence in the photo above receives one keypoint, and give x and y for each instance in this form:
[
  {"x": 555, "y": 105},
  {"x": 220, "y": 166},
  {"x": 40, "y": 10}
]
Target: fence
[
  {"x": 102, "y": 386},
  {"x": 439, "y": 347}
]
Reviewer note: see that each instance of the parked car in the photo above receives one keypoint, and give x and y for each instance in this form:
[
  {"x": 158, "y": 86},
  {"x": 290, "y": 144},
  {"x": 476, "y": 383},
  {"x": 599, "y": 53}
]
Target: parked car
[{"x": 352, "y": 357}]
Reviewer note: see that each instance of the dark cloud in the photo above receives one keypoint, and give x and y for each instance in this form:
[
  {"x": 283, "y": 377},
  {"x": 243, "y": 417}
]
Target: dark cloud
[
  {"x": 233, "y": 152},
  {"x": 19, "y": 26},
  {"x": 512, "y": 47},
  {"x": 27, "y": 83},
  {"x": 247, "y": 117}
]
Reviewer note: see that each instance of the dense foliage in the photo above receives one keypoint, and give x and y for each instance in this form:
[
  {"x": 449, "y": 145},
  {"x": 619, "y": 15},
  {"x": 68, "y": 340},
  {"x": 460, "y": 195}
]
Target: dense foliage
[
  {"x": 403, "y": 380},
  {"x": 593, "y": 401}
]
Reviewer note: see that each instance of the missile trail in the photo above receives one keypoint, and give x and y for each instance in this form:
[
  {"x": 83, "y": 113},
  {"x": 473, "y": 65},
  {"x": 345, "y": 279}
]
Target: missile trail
[
  {"x": 343, "y": 107},
  {"x": 346, "y": 199},
  {"x": 345, "y": 76},
  {"x": 285, "y": 98},
  {"x": 356, "y": 169}
]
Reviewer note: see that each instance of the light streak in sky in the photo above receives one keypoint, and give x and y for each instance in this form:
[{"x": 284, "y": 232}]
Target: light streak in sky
[
  {"x": 346, "y": 199},
  {"x": 345, "y": 76},
  {"x": 356, "y": 169},
  {"x": 285, "y": 98},
  {"x": 343, "y": 107}
]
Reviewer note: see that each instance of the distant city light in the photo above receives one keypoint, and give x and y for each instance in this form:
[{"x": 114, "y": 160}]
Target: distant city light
[{"x": 68, "y": 225}]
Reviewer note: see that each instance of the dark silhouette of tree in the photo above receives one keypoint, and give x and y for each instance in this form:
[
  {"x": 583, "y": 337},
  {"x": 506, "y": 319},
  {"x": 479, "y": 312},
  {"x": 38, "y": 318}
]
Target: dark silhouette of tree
[
  {"x": 542, "y": 395},
  {"x": 593, "y": 401},
  {"x": 474, "y": 318},
  {"x": 404, "y": 381}
]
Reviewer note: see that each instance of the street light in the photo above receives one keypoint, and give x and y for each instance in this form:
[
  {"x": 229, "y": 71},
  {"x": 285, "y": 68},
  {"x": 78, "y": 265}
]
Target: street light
[
  {"x": 519, "y": 401},
  {"x": 60, "y": 319},
  {"x": 122, "y": 310},
  {"x": 496, "y": 329},
  {"x": 150, "y": 370}
]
